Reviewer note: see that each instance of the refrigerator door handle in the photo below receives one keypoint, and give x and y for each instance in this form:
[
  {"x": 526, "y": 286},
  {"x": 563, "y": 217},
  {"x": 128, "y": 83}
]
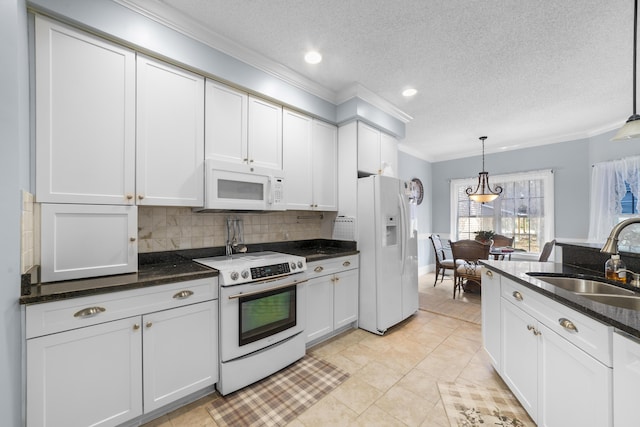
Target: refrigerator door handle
[{"x": 403, "y": 225}]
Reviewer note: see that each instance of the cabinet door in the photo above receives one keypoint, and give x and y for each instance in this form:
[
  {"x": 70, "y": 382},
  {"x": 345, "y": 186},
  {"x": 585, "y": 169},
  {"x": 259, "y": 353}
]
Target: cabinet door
[
  {"x": 85, "y": 117},
  {"x": 368, "y": 149},
  {"x": 626, "y": 380},
  {"x": 319, "y": 310},
  {"x": 265, "y": 134},
  {"x": 491, "y": 316},
  {"x": 87, "y": 376},
  {"x": 81, "y": 241},
  {"x": 574, "y": 389},
  {"x": 345, "y": 298},
  {"x": 520, "y": 356},
  {"x": 170, "y": 135},
  {"x": 297, "y": 160},
  {"x": 226, "y": 123},
  {"x": 324, "y": 163},
  {"x": 388, "y": 155},
  {"x": 180, "y": 352}
]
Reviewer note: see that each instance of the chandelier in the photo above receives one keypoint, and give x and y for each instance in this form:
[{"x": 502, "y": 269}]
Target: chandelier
[
  {"x": 483, "y": 192},
  {"x": 631, "y": 128}
]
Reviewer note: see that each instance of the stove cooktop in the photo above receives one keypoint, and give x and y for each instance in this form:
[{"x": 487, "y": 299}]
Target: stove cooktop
[{"x": 249, "y": 267}]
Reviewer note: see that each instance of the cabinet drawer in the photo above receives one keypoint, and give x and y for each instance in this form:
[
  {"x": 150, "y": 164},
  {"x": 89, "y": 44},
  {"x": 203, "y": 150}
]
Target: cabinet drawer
[
  {"x": 331, "y": 266},
  {"x": 590, "y": 335},
  {"x": 52, "y": 317}
]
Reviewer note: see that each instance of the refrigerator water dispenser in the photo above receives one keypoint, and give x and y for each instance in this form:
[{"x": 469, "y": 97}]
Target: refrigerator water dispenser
[{"x": 391, "y": 231}]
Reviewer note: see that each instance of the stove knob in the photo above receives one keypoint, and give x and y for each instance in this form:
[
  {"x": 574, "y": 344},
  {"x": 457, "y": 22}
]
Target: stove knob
[
  {"x": 234, "y": 275},
  {"x": 245, "y": 274},
  {"x": 299, "y": 264},
  {"x": 293, "y": 266}
]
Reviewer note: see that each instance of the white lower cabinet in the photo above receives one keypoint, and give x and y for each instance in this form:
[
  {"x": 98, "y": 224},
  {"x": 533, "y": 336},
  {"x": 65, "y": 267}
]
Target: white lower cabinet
[
  {"x": 545, "y": 360},
  {"x": 180, "y": 352},
  {"x": 491, "y": 316},
  {"x": 105, "y": 374},
  {"x": 85, "y": 377},
  {"x": 626, "y": 380},
  {"x": 332, "y": 297}
]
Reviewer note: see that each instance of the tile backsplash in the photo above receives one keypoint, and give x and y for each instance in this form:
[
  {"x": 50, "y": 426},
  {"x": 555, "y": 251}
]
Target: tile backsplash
[
  {"x": 172, "y": 228},
  {"x": 28, "y": 236}
]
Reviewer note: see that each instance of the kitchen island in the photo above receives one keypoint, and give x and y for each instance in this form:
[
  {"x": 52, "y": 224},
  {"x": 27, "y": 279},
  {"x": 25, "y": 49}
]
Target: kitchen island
[{"x": 567, "y": 358}]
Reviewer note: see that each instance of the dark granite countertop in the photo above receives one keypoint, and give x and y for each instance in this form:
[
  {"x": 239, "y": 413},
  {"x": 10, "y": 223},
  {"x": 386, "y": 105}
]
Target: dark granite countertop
[
  {"x": 159, "y": 268},
  {"x": 620, "y": 318}
]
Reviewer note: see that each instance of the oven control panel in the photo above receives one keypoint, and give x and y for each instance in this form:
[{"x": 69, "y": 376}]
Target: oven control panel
[{"x": 270, "y": 270}]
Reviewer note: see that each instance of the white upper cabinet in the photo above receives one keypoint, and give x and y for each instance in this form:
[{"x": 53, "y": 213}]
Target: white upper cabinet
[
  {"x": 85, "y": 117},
  {"x": 265, "y": 134},
  {"x": 87, "y": 240},
  {"x": 226, "y": 123},
  {"x": 170, "y": 135},
  {"x": 310, "y": 162},
  {"x": 324, "y": 159},
  {"x": 296, "y": 145},
  {"x": 241, "y": 131},
  {"x": 377, "y": 151}
]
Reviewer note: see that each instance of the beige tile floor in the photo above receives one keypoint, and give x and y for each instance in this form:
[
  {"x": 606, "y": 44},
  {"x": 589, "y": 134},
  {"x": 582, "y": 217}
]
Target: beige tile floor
[{"x": 393, "y": 378}]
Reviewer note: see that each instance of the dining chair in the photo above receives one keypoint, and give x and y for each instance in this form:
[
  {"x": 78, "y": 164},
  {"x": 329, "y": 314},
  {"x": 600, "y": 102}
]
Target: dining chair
[
  {"x": 500, "y": 241},
  {"x": 466, "y": 254},
  {"x": 442, "y": 262},
  {"x": 546, "y": 251}
]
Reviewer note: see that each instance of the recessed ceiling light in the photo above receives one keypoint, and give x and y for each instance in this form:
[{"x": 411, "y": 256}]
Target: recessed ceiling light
[
  {"x": 409, "y": 92},
  {"x": 313, "y": 57}
]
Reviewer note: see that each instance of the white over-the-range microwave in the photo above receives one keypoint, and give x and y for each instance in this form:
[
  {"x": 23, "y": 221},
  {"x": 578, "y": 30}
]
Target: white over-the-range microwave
[{"x": 231, "y": 187}]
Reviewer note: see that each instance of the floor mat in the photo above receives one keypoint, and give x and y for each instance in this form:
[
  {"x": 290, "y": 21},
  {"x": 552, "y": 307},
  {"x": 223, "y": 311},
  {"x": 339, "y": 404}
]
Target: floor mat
[
  {"x": 280, "y": 398},
  {"x": 468, "y": 405}
]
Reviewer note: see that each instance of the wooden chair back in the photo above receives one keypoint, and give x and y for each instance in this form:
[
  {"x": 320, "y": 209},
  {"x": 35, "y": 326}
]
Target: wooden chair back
[
  {"x": 500, "y": 241},
  {"x": 546, "y": 251}
]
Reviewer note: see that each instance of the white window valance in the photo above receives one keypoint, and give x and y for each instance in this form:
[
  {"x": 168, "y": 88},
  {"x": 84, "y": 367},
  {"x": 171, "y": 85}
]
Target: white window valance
[{"x": 607, "y": 191}]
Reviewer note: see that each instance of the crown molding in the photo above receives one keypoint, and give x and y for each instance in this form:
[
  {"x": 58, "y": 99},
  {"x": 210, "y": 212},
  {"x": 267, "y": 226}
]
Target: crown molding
[
  {"x": 357, "y": 90},
  {"x": 158, "y": 11}
]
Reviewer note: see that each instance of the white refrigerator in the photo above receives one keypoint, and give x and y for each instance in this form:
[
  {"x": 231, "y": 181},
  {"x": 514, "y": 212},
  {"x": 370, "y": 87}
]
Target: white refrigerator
[{"x": 387, "y": 241}]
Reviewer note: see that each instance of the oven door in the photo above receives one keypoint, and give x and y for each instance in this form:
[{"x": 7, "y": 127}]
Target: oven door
[{"x": 256, "y": 315}]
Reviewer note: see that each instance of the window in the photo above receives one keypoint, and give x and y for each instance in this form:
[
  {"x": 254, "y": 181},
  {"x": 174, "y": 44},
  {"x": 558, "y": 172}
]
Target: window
[
  {"x": 524, "y": 210},
  {"x": 615, "y": 187}
]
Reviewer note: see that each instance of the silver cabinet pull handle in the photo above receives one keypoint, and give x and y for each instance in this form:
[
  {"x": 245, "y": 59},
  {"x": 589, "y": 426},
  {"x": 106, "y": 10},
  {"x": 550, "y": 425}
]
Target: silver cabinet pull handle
[
  {"x": 149, "y": 324},
  {"x": 534, "y": 330},
  {"x": 183, "y": 294},
  {"x": 517, "y": 295},
  {"x": 567, "y": 324},
  {"x": 89, "y": 312},
  {"x": 136, "y": 326},
  {"x": 318, "y": 269},
  {"x": 346, "y": 263},
  {"x": 489, "y": 273}
]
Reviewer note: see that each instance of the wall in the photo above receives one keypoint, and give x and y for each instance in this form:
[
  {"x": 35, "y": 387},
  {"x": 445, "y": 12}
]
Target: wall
[
  {"x": 572, "y": 173},
  {"x": 571, "y": 162},
  {"x": 14, "y": 176},
  {"x": 166, "y": 228},
  {"x": 410, "y": 167}
]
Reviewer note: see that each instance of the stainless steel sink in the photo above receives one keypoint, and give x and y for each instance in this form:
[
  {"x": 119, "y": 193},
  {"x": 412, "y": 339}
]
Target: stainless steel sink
[
  {"x": 581, "y": 286},
  {"x": 622, "y": 301}
]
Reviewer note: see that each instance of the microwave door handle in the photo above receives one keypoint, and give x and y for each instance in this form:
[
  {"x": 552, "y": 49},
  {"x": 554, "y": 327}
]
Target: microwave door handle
[{"x": 269, "y": 191}]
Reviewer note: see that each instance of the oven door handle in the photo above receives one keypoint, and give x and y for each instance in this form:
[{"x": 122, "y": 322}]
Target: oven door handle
[{"x": 248, "y": 294}]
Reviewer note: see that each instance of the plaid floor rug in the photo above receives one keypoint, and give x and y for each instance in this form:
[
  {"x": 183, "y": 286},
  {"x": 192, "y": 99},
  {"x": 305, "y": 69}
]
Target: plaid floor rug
[
  {"x": 468, "y": 405},
  {"x": 280, "y": 398}
]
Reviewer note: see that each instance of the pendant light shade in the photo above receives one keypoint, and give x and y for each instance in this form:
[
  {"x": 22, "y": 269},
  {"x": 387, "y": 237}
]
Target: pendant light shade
[
  {"x": 483, "y": 192},
  {"x": 631, "y": 128}
]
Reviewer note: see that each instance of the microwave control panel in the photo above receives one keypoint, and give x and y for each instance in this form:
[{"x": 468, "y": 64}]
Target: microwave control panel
[{"x": 278, "y": 190}]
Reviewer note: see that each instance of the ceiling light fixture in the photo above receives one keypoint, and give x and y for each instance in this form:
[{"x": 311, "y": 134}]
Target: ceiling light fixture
[
  {"x": 631, "y": 128},
  {"x": 313, "y": 57},
  {"x": 483, "y": 192},
  {"x": 409, "y": 92}
]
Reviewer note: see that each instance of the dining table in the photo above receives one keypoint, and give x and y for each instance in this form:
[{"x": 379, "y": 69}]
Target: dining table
[{"x": 499, "y": 252}]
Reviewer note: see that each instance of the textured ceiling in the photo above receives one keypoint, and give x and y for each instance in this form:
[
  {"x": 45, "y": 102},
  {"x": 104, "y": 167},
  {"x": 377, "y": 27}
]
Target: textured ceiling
[{"x": 523, "y": 73}]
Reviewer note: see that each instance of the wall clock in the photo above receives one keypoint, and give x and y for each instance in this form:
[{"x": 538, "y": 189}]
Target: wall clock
[{"x": 418, "y": 190}]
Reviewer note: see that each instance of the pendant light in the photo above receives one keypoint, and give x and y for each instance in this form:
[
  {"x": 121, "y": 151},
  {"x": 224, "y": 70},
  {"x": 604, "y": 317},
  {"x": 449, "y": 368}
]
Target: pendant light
[
  {"x": 631, "y": 128},
  {"x": 483, "y": 192}
]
